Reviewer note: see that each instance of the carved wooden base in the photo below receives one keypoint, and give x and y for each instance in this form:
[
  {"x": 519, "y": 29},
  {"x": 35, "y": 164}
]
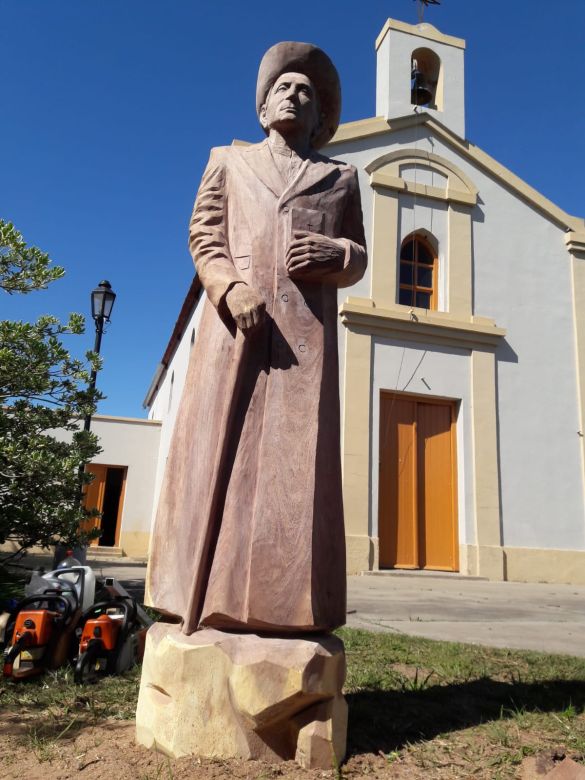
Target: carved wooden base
[{"x": 227, "y": 695}]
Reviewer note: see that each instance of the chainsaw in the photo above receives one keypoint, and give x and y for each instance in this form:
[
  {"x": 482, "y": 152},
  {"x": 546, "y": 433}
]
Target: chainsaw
[
  {"x": 112, "y": 635},
  {"x": 58, "y": 621},
  {"x": 40, "y": 631}
]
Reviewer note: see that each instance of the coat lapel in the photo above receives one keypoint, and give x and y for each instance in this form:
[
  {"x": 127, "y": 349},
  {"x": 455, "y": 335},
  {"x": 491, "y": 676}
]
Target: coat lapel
[
  {"x": 260, "y": 162},
  {"x": 311, "y": 172}
]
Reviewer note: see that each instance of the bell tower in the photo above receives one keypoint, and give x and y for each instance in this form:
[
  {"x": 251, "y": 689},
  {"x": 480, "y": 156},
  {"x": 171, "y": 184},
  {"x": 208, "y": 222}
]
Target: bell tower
[{"x": 419, "y": 68}]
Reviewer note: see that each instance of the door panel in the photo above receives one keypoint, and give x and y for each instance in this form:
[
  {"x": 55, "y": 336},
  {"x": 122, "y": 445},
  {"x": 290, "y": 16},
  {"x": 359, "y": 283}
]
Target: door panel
[
  {"x": 94, "y": 495},
  {"x": 398, "y": 493},
  {"x": 435, "y": 486},
  {"x": 417, "y": 507}
]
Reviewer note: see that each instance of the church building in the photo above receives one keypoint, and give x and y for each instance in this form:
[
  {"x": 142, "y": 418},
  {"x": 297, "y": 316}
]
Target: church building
[{"x": 462, "y": 349}]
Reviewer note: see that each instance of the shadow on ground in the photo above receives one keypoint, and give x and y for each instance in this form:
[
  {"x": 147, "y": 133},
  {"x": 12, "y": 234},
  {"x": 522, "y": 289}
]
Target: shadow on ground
[{"x": 388, "y": 720}]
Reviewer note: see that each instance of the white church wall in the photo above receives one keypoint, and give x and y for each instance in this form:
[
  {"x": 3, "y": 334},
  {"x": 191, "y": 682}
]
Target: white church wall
[
  {"x": 168, "y": 396},
  {"x": 522, "y": 281}
]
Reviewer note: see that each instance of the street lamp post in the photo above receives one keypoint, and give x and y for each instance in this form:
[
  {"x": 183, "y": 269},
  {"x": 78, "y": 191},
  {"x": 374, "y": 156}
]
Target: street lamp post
[{"x": 102, "y": 303}]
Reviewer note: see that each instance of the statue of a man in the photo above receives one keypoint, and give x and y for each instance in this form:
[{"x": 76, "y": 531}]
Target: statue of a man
[{"x": 249, "y": 532}]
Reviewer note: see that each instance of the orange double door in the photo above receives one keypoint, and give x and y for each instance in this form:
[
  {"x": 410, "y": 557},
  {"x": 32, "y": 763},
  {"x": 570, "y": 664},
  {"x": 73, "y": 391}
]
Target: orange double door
[{"x": 417, "y": 518}]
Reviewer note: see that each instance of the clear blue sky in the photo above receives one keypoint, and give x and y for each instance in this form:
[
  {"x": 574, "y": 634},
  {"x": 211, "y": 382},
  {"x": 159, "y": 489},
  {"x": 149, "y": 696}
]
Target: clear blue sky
[{"x": 109, "y": 109}]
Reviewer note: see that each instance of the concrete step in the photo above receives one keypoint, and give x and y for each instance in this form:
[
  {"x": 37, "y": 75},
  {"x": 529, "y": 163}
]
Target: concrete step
[
  {"x": 422, "y": 573},
  {"x": 96, "y": 552}
]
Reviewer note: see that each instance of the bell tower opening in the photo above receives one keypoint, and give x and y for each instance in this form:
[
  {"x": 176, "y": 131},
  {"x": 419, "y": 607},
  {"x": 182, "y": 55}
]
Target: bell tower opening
[
  {"x": 422, "y": 68},
  {"x": 425, "y": 79}
]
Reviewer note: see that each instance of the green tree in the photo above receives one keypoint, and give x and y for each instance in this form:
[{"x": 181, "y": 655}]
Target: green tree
[{"x": 43, "y": 393}]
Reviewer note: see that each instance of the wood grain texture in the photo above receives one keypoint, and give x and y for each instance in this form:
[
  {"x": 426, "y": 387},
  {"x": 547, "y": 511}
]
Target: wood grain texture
[{"x": 249, "y": 530}]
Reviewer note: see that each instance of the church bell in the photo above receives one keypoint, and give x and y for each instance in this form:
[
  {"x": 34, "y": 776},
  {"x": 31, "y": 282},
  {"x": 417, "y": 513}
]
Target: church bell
[{"x": 420, "y": 91}]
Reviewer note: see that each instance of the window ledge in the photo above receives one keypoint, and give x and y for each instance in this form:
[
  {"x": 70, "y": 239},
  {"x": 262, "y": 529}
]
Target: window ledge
[{"x": 417, "y": 324}]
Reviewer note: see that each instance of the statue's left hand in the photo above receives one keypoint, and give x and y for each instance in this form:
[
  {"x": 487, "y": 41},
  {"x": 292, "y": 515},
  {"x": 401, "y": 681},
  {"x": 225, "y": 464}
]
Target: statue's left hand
[{"x": 311, "y": 256}]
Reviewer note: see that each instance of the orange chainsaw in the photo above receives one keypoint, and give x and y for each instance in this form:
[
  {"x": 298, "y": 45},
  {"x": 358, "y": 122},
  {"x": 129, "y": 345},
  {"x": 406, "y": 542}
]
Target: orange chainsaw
[{"x": 112, "y": 640}]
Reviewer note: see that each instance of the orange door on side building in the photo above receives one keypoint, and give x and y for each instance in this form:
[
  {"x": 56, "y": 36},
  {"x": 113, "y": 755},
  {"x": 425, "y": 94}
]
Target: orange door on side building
[
  {"x": 94, "y": 495},
  {"x": 106, "y": 494},
  {"x": 417, "y": 518}
]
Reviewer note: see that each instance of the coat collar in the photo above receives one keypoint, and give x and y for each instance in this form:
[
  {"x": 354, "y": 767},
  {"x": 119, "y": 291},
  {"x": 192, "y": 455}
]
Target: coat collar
[{"x": 259, "y": 159}]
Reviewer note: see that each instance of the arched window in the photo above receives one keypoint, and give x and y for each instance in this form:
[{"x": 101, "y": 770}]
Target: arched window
[{"x": 418, "y": 273}]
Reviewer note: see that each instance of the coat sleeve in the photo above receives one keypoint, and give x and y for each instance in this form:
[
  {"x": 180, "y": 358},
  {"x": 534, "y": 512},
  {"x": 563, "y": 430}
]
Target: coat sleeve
[
  {"x": 352, "y": 236},
  {"x": 208, "y": 241}
]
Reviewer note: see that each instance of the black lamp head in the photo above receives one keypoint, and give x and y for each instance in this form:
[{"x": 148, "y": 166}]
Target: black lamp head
[{"x": 102, "y": 301}]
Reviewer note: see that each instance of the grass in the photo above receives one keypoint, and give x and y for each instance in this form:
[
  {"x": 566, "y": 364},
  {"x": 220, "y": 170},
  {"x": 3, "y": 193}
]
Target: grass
[
  {"x": 436, "y": 708},
  {"x": 441, "y": 704},
  {"x": 55, "y": 699}
]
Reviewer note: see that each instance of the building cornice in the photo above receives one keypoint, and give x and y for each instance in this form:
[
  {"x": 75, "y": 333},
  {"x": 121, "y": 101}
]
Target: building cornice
[
  {"x": 420, "y": 325},
  {"x": 107, "y": 418},
  {"x": 575, "y": 242},
  {"x": 423, "y": 30}
]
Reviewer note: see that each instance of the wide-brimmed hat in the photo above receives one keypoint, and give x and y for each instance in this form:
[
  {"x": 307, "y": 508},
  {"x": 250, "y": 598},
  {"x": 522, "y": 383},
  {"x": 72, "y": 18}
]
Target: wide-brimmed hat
[{"x": 294, "y": 57}]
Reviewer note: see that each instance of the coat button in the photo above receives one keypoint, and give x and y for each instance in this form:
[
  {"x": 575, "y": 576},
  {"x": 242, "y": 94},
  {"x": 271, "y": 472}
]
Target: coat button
[
  {"x": 284, "y": 297},
  {"x": 285, "y": 210},
  {"x": 302, "y": 348}
]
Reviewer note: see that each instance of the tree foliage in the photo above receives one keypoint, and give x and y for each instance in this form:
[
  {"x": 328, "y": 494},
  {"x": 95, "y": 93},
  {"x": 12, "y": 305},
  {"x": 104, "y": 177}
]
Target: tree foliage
[
  {"x": 23, "y": 268},
  {"x": 43, "y": 396}
]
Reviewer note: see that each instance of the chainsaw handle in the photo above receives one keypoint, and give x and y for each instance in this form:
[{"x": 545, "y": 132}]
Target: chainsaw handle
[{"x": 48, "y": 597}]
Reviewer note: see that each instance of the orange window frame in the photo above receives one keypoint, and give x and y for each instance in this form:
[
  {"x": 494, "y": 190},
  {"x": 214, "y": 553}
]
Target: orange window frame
[{"x": 414, "y": 287}]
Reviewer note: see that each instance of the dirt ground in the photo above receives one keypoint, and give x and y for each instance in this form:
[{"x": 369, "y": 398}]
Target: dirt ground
[
  {"x": 106, "y": 751},
  {"x": 417, "y": 709}
]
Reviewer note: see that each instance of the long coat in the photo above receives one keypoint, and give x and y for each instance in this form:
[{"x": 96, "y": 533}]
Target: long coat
[{"x": 249, "y": 530}]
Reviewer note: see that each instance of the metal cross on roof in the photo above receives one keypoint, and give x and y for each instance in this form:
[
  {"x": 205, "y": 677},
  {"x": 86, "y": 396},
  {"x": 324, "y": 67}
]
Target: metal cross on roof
[{"x": 422, "y": 4}]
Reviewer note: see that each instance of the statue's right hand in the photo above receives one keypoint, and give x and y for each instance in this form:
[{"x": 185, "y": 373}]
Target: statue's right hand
[{"x": 246, "y": 306}]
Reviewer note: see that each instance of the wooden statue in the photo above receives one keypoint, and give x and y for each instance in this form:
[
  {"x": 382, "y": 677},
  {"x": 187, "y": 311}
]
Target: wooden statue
[{"x": 249, "y": 531}]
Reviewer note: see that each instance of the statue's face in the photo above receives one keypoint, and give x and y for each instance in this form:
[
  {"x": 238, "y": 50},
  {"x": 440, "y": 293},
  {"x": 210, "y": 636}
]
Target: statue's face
[{"x": 291, "y": 105}]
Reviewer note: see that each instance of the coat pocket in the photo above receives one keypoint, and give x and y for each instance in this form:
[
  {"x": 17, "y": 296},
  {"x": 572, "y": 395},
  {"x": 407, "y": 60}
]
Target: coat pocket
[
  {"x": 242, "y": 261},
  {"x": 307, "y": 219}
]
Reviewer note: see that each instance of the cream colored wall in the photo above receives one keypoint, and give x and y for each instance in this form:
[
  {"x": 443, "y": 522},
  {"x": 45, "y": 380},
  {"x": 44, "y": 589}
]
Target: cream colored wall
[
  {"x": 575, "y": 243},
  {"x": 522, "y": 564},
  {"x": 134, "y": 444},
  {"x": 356, "y": 450}
]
